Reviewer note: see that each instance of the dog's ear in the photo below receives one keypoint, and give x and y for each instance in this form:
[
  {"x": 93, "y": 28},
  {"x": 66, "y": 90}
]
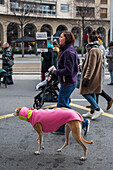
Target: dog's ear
[{"x": 17, "y": 110}]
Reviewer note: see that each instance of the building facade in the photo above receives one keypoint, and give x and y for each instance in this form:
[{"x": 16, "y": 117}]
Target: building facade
[{"x": 27, "y": 17}]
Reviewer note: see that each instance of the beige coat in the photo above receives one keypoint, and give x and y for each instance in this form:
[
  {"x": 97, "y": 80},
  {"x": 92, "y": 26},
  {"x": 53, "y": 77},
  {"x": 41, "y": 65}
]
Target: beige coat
[{"x": 92, "y": 71}]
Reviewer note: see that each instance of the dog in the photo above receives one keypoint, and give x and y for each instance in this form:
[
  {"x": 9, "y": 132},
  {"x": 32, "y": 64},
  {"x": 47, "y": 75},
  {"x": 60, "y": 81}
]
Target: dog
[{"x": 49, "y": 120}]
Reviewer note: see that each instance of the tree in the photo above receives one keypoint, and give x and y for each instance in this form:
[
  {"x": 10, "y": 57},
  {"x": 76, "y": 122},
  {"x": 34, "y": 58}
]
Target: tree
[
  {"x": 85, "y": 10},
  {"x": 23, "y": 16}
]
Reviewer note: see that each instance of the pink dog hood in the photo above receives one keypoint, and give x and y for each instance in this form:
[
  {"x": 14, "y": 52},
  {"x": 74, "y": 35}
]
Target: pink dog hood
[{"x": 51, "y": 119}]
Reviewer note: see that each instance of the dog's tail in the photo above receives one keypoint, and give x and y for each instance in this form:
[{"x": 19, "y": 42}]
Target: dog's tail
[{"x": 91, "y": 142}]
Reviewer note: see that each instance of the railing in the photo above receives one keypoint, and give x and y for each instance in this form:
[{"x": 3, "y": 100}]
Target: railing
[{"x": 34, "y": 11}]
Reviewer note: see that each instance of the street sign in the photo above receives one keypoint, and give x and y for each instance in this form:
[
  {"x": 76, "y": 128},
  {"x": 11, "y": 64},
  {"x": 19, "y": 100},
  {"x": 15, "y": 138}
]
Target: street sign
[
  {"x": 41, "y": 35},
  {"x": 41, "y": 39}
]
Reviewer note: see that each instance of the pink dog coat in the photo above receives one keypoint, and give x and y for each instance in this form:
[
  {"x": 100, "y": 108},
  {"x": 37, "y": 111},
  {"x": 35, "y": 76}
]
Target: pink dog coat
[{"x": 51, "y": 119}]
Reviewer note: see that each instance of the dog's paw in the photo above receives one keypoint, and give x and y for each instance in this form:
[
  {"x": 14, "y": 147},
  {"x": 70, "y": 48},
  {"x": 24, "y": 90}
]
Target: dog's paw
[
  {"x": 59, "y": 150},
  {"x": 37, "y": 153},
  {"x": 42, "y": 148},
  {"x": 83, "y": 158}
]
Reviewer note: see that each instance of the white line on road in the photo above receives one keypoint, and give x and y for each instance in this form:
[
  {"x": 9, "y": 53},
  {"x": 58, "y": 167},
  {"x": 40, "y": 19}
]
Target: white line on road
[
  {"x": 27, "y": 77},
  {"x": 79, "y": 100}
]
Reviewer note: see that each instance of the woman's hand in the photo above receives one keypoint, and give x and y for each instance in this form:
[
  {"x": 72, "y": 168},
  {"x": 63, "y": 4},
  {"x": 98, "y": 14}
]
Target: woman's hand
[
  {"x": 85, "y": 82},
  {"x": 52, "y": 68}
]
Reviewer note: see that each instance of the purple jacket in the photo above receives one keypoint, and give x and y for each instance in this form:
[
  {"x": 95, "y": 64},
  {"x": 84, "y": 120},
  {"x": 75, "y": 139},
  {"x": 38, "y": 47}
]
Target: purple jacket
[{"x": 67, "y": 66}]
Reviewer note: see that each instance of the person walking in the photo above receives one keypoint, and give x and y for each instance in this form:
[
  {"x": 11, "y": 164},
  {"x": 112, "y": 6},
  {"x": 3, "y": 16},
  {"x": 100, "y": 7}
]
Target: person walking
[
  {"x": 7, "y": 63},
  {"x": 47, "y": 61},
  {"x": 110, "y": 62},
  {"x": 67, "y": 70},
  {"x": 55, "y": 52},
  {"x": 91, "y": 76},
  {"x": 103, "y": 93}
]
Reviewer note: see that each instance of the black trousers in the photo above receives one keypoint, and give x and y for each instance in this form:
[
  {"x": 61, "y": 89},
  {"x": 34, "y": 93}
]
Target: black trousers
[{"x": 105, "y": 95}]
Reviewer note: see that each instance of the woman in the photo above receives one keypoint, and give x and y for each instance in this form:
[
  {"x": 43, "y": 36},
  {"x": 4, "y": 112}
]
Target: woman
[
  {"x": 68, "y": 62},
  {"x": 103, "y": 93},
  {"x": 67, "y": 68},
  {"x": 91, "y": 76},
  {"x": 7, "y": 63}
]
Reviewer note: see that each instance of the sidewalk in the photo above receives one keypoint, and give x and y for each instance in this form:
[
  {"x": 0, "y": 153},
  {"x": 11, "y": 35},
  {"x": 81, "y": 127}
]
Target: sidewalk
[{"x": 28, "y": 65}]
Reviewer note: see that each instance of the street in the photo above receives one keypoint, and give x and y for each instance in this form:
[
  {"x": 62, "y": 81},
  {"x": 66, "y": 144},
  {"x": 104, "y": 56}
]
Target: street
[{"x": 18, "y": 138}]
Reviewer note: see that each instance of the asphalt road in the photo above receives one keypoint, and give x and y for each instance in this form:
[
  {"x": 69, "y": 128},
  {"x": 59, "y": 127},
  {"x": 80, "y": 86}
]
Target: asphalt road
[{"x": 18, "y": 138}]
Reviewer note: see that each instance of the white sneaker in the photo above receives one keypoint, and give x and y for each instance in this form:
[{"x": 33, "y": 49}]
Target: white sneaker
[
  {"x": 88, "y": 114},
  {"x": 96, "y": 114}
]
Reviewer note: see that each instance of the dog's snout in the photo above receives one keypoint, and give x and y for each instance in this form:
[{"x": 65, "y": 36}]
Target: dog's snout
[{"x": 14, "y": 114}]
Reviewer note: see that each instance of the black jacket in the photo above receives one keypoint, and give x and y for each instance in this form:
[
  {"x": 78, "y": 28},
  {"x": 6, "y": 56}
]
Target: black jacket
[
  {"x": 7, "y": 55},
  {"x": 47, "y": 60}
]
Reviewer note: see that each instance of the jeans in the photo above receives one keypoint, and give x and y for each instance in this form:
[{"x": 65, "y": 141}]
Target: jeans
[
  {"x": 64, "y": 96},
  {"x": 63, "y": 101},
  {"x": 111, "y": 76},
  {"x": 91, "y": 98}
]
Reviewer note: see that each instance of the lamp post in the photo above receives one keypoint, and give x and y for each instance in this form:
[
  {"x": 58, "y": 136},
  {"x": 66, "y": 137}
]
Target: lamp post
[{"x": 111, "y": 21}]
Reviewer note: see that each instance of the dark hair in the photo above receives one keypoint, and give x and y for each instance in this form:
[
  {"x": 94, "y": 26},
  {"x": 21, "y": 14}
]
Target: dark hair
[
  {"x": 110, "y": 44},
  {"x": 93, "y": 36},
  {"x": 69, "y": 37}
]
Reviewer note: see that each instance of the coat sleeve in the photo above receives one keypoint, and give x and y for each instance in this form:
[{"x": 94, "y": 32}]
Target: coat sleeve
[
  {"x": 68, "y": 65},
  {"x": 91, "y": 64}
]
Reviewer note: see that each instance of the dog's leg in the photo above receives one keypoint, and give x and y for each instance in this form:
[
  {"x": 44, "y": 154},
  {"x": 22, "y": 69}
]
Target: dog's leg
[
  {"x": 38, "y": 128},
  {"x": 67, "y": 132},
  {"x": 42, "y": 147},
  {"x": 76, "y": 128}
]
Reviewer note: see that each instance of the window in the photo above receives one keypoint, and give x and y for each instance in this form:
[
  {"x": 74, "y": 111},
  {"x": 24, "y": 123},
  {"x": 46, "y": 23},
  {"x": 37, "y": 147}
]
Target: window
[
  {"x": 64, "y": 7},
  {"x": 30, "y": 6},
  {"x": 85, "y": 11},
  {"x": 103, "y": 1},
  {"x": 2, "y": 2},
  {"x": 48, "y": 9},
  {"x": 103, "y": 12},
  {"x": 87, "y": 1},
  {"x": 14, "y": 4}
]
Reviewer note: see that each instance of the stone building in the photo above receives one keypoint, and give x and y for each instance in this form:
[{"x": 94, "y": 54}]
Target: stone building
[{"x": 53, "y": 16}]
